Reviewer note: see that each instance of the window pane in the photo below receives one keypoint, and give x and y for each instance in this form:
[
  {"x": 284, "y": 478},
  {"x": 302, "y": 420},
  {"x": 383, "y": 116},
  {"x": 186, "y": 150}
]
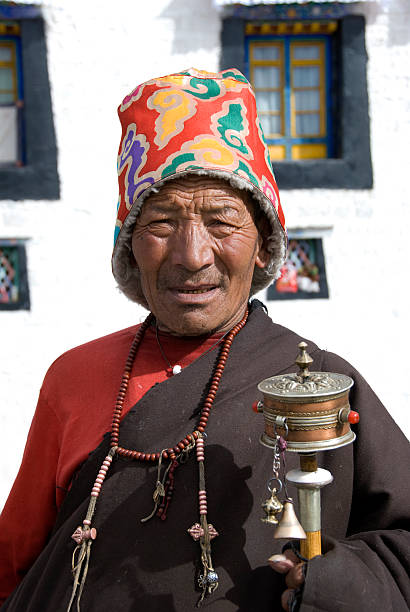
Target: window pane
[
  {"x": 271, "y": 124},
  {"x": 306, "y": 52},
  {"x": 307, "y": 124},
  {"x": 5, "y": 54},
  {"x": 266, "y": 76},
  {"x": 306, "y": 76},
  {"x": 6, "y": 78},
  {"x": 266, "y": 53},
  {"x": 307, "y": 100},
  {"x": 268, "y": 100},
  {"x": 7, "y": 98},
  {"x": 8, "y": 134}
]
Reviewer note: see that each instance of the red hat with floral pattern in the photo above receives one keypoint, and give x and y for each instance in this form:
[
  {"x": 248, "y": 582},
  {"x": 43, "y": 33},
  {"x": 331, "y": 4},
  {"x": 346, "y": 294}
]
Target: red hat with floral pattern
[{"x": 192, "y": 122}]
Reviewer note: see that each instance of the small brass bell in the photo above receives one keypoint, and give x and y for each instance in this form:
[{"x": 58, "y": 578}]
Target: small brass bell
[
  {"x": 289, "y": 526},
  {"x": 272, "y": 507}
]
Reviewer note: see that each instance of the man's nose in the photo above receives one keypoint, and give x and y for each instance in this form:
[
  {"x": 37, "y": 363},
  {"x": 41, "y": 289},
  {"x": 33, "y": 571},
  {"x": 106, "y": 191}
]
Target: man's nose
[{"x": 192, "y": 248}]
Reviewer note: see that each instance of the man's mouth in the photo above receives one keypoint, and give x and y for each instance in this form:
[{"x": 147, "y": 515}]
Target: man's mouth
[
  {"x": 201, "y": 290},
  {"x": 188, "y": 293}
]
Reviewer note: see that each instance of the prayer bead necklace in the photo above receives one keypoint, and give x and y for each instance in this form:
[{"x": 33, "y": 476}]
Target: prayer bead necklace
[
  {"x": 169, "y": 453},
  {"x": 202, "y": 531}
]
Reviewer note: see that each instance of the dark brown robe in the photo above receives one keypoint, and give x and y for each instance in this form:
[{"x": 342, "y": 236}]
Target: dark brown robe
[{"x": 152, "y": 566}]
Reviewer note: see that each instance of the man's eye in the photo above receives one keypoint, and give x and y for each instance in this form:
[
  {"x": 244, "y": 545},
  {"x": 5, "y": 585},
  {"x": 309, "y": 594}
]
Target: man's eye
[
  {"x": 219, "y": 222},
  {"x": 160, "y": 221}
]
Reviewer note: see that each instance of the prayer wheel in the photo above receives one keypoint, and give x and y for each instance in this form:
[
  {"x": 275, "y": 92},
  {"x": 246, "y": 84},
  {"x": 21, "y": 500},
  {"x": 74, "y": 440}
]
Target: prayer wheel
[
  {"x": 304, "y": 413},
  {"x": 310, "y": 409}
]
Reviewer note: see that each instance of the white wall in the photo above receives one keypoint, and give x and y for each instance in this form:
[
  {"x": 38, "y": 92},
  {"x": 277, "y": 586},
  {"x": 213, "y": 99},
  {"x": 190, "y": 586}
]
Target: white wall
[{"x": 97, "y": 52}]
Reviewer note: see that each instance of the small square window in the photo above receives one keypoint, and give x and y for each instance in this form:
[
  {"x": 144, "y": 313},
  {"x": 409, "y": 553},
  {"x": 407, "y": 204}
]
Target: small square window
[
  {"x": 14, "y": 293},
  {"x": 303, "y": 276}
]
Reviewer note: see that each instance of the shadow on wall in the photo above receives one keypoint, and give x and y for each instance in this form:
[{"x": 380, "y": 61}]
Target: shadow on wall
[
  {"x": 197, "y": 25},
  {"x": 399, "y": 31},
  {"x": 397, "y": 22}
]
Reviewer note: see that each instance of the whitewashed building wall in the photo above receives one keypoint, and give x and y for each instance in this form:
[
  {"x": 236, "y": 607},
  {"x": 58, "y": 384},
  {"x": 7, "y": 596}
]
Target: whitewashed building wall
[{"x": 97, "y": 52}]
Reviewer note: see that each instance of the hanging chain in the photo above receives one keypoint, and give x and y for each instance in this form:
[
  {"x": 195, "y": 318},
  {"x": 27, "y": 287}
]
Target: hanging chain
[{"x": 272, "y": 506}]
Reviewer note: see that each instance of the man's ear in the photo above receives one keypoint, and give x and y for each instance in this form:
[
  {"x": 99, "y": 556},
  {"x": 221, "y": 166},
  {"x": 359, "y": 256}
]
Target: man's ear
[{"x": 263, "y": 256}]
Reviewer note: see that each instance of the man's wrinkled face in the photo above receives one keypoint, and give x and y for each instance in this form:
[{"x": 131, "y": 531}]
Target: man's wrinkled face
[{"x": 196, "y": 246}]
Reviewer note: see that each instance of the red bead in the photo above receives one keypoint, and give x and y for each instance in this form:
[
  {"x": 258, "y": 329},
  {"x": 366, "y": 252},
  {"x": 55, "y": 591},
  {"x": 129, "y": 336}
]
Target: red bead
[{"x": 353, "y": 417}]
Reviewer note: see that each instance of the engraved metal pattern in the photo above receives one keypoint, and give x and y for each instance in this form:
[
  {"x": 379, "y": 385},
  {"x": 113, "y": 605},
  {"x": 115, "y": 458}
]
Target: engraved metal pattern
[
  {"x": 297, "y": 421},
  {"x": 322, "y": 384}
]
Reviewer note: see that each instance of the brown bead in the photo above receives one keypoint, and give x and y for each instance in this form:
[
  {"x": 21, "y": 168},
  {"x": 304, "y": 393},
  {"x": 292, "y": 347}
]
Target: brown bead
[{"x": 170, "y": 453}]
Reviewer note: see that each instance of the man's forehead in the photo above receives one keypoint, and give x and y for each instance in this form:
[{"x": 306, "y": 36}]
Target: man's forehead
[{"x": 200, "y": 189}]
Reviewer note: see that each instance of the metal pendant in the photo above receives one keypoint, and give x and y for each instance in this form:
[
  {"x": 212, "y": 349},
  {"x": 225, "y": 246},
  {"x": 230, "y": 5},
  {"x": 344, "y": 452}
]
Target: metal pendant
[{"x": 272, "y": 507}]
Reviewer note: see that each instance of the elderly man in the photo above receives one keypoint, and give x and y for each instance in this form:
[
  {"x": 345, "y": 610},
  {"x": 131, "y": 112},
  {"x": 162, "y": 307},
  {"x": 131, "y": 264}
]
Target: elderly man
[{"x": 142, "y": 479}]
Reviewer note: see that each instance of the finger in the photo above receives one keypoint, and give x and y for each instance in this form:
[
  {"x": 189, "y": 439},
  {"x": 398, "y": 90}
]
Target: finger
[
  {"x": 286, "y": 599},
  {"x": 289, "y": 554},
  {"x": 296, "y": 576},
  {"x": 281, "y": 563}
]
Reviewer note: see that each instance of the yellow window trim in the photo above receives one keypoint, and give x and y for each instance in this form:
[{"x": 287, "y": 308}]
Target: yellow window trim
[
  {"x": 291, "y": 27},
  {"x": 279, "y": 63},
  {"x": 11, "y": 65},
  {"x": 309, "y": 151},
  {"x": 322, "y": 96},
  {"x": 11, "y": 29}
]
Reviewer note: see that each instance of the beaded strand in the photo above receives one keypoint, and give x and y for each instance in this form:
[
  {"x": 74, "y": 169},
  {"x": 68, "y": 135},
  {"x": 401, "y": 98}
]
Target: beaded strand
[
  {"x": 84, "y": 535},
  {"x": 169, "y": 453}
]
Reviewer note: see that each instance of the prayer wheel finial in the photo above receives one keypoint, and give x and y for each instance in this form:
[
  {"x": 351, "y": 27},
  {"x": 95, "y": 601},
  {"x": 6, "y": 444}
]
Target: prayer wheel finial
[{"x": 303, "y": 361}]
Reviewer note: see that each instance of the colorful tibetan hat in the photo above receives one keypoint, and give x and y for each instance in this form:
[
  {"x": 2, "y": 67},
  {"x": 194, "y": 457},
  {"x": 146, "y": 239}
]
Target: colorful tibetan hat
[{"x": 192, "y": 122}]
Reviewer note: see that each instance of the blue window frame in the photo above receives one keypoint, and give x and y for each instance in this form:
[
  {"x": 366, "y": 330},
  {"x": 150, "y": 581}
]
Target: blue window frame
[
  {"x": 11, "y": 95},
  {"x": 291, "y": 76}
]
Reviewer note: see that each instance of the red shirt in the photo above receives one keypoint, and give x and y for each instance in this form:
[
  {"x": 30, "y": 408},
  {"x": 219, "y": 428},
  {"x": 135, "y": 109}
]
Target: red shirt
[{"x": 73, "y": 413}]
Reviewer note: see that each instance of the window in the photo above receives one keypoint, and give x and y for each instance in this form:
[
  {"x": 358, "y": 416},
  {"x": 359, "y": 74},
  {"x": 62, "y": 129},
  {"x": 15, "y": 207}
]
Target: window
[
  {"x": 14, "y": 293},
  {"x": 303, "y": 275},
  {"x": 324, "y": 92},
  {"x": 11, "y": 94},
  {"x": 291, "y": 76},
  {"x": 28, "y": 152}
]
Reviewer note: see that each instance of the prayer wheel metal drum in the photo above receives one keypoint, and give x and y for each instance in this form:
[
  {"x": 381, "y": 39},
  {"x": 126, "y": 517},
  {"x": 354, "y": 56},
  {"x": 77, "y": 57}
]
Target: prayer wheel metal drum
[{"x": 310, "y": 409}]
